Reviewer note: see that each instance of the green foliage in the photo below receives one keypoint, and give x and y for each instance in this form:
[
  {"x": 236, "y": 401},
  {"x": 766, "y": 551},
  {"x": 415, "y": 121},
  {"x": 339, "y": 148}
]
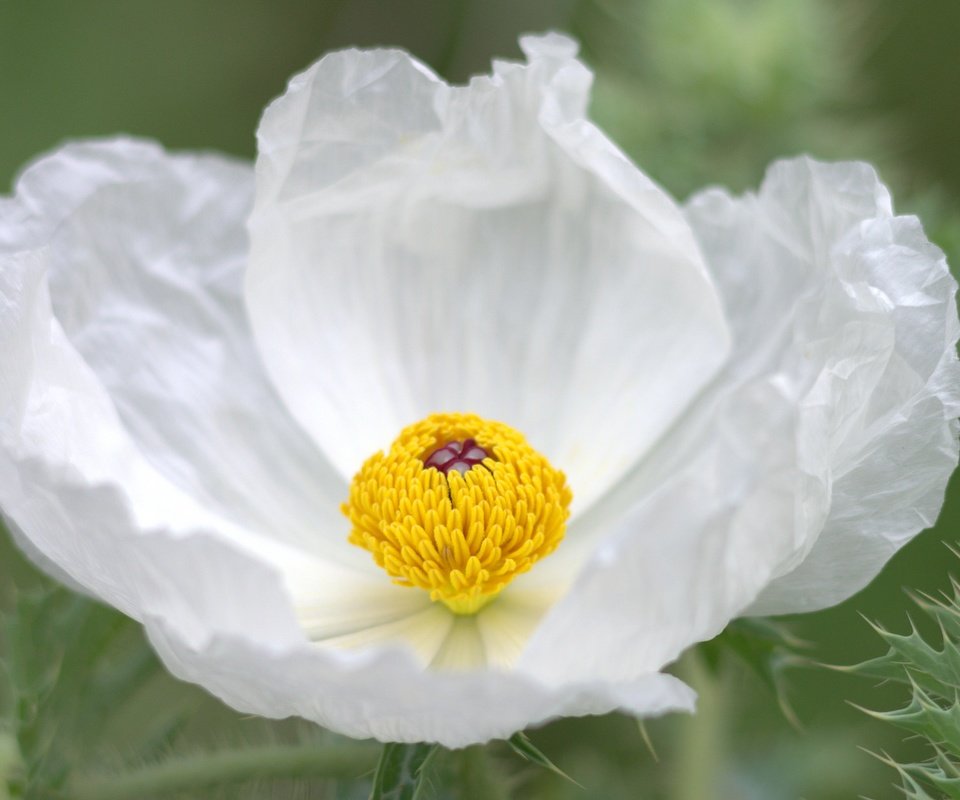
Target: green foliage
[
  {"x": 705, "y": 91},
  {"x": 88, "y": 713},
  {"x": 480, "y": 777},
  {"x": 520, "y": 744},
  {"x": 697, "y": 91},
  {"x": 69, "y": 661},
  {"x": 401, "y": 772},
  {"x": 199, "y": 773},
  {"x": 930, "y": 670},
  {"x": 766, "y": 647},
  {"x": 941, "y": 221}
]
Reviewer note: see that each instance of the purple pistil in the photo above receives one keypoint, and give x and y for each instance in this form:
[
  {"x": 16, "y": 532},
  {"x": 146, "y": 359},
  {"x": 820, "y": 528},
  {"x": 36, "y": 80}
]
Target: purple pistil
[{"x": 459, "y": 456}]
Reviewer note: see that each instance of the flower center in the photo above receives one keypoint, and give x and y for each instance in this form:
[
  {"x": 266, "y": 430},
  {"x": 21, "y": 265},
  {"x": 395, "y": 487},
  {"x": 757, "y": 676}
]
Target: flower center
[
  {"x": 459, "y": 456},
  {"x": 433, "y": 521}
]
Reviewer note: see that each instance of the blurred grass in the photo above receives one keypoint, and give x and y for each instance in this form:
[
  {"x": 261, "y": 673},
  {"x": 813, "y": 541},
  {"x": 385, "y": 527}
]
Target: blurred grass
[{"x": 697, "y": 91}]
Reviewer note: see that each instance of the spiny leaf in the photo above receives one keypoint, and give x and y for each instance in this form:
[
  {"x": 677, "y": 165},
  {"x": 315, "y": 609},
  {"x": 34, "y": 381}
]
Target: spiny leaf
[
  {"x": 911, "y": 659},
  {"x": 931, "y": 671},
  {"x": 911, "y": 788},
  {"x": 645, "y": 735},
  {"x": 949, "y": 786},
  {"x": 932, "y": 774},
  {"x": 944, "y": 609},
  {"x": 523, "y": 747},
  {"x": 946, "y": 765},
  {"x": 400, "y": 772},
  {"x": 923, "y": 716}
]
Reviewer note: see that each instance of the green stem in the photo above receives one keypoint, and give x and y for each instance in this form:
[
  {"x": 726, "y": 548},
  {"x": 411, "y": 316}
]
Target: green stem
[
  {"x": 11, "y": 764},
  {"x": 444, "y": 60},
  {"x": 232, "y": 767},
  {"x": 702, "y": 739},
  {"x": 479, "y": 779}
]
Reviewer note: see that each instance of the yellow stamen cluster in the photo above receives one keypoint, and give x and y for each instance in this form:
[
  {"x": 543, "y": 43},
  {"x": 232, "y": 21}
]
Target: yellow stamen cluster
[{"x": 462, "y": 537}]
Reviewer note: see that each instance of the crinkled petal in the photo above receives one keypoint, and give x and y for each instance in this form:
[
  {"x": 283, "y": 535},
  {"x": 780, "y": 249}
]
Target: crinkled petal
[
  {"x": 61, "y": 433},
  {"x": 143, "y": 253},
  {"x": 121, "y": 417},
  {"x": 418, "y": 247},
  {"x": 226, "y": 607},
  {"x": 823, "y": 446},
  {"x": 872, "y": 340}
]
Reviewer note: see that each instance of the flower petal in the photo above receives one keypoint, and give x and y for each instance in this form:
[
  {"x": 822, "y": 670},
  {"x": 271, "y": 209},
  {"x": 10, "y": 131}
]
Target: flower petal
[
  {"x": 384, "y": 692},
  {"x": 391, "y": 698},
  {"x": 61, "y": 435},
  {"x": 425, "y": 632},
  {"x": 144, "y": 253},
  {"x": 874, "y": 344},
  {"x": 703, "y": 539},
  {"x": 823, "y": 446},
  {"x": 192, "y": 590},
  {"x": 418, "y": 247},
  {"x": 78, "y": 489}
]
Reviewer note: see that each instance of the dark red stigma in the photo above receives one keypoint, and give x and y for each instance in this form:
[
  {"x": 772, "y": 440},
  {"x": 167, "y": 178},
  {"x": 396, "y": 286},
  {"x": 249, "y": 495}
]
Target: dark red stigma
[{"x": 459, "y": 456}]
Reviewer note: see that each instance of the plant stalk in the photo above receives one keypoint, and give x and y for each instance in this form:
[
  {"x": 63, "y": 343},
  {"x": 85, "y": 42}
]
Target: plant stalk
[
  {"x": 217, "y": 769},
  {"x": 702, "y": 750}
]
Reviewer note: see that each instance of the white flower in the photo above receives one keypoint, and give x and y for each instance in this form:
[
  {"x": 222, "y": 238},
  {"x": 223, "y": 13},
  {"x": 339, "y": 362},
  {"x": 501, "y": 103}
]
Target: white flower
[{"x": 752, "y": 398}]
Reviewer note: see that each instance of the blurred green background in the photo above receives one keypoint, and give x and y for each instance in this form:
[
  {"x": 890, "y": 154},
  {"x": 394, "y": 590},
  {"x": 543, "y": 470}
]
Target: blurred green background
[{"x": 697, "y": 92}]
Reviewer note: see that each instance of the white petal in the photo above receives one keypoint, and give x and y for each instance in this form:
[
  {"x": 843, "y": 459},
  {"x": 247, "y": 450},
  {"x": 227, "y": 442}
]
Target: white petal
[
  {"x": 418, "y": 247},
  {"x": 385, "y": 692},
  {"x": 462, "y": 647},
  {"x": 506, "y": 625},
  {"x": 391, "y": 698},
  {"x": 823, "y": 446},
  {"x": 143, "y": 253},
  {"x": 328, "y": 611},
  {"x": 60, "y": 430},
  {"x": 53, "y": 411},
  {"x": 195, "y": 594},
  {"x": 219, "y": 602},
  {"x": 702, "y": 541},
  {"x": 425, "y": 632},
  {"x": 877, "y": 327},
  {"x": 344, "y": 612}
]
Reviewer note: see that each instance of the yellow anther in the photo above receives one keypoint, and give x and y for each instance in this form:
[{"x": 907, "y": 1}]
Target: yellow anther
[{"x": 464, "y": 529}]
